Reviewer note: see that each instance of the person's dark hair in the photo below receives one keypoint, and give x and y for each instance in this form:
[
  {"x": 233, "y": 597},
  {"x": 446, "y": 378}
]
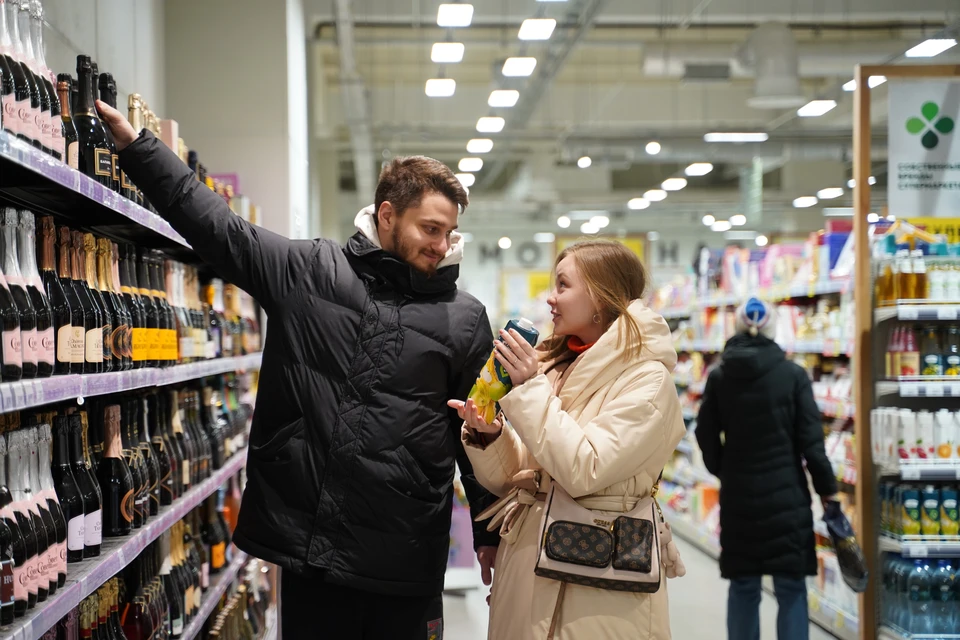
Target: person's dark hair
[{"x": 404, "y": 181}]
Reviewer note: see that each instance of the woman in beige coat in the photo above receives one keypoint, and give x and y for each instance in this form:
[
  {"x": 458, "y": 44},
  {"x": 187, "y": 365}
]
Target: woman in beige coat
[{"x": 595, "y": 410}]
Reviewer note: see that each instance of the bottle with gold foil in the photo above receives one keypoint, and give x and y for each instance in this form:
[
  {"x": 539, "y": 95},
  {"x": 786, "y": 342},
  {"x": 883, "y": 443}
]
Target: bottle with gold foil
[
  {"x": 114, "y": 309},
  {"x": 131, "y": 296},
  {"x": 126, "y": 308},
  {"x": 65, "y": 263},
  {"x": 89, "y": 256},
  {"x": 151, "y": 342},
  {"x": 135, "y": 117},
  {"x": 168, "y": 324},
  {"x": 57, "y": 297}
]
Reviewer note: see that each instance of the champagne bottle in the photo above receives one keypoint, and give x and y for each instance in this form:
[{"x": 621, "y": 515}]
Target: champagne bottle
[
  {"x": 46, "y": 342},
  {"x": 67, "y": 489},
  {"x": 144, "y": 417},
  {"x": 116, "y": 482},
  {"x": 18, "y": 546},
  {"x": 93, "y": 317},
  {"x": 127, "y": 308},
  {"x": 8, "y": 86},
  {"x": 131, "y": 295},
  {"x": 70, "y": 141},
  {"x": 112, "y": 342},
  {"x": 28, "y": 100},
  {"x": 11, "y": 273},
  {"x": 108, "y": 94},
  {"x": 34, "y": 534},
  {"x": 95, "y": 157},
  {"x": 78, "y": 311},
  {"x": 56, "y": 126},
  {"x": 50, "y": 514},
  {"x": 89, "y": 256},
  {"x": 131, "y": 455},
  {"x": 166, "y": 351},
  {"x": 48, "y": 492},
  {"x": 42, "y": 117},
  {"x": 89, "y": 489},
  {"x": 151, "y": 311}
]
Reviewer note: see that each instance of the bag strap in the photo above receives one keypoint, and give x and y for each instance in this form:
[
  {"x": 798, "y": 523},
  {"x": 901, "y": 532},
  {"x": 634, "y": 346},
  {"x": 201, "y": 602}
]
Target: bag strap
[{"x": 653, "y": 494}]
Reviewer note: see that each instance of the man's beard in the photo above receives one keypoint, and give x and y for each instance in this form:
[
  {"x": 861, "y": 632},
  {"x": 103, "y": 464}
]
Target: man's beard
[{"x": 408, "y": 255}]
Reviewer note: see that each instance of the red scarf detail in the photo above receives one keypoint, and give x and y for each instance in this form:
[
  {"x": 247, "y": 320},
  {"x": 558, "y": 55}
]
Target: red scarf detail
[{"x": 576, "y": 345}]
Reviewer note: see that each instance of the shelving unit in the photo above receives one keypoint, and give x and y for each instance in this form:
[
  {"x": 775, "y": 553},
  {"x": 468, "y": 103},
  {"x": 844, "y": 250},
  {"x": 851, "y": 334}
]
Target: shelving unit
[
  {"x": 829, "y": 348},
  {"x": 83, "y": 578},
  {"x": 828, "y": 615},
  {"x": 786, "y": 293},
  {"x": 218, "y": 586}
]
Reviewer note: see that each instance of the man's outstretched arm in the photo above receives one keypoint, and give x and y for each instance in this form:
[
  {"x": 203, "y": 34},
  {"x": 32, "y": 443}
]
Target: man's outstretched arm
[{"x": 265, "y": 264}]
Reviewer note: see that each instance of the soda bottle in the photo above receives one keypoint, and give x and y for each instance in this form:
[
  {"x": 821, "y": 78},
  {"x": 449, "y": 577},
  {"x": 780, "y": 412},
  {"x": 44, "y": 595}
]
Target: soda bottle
[
  {"x": 919, "y": 584},
  {"x": 909, "y": 354}
]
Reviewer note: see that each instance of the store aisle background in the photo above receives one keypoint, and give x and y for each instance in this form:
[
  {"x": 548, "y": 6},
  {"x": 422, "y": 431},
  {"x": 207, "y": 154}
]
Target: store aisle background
[{"x": 698, "y": 606}]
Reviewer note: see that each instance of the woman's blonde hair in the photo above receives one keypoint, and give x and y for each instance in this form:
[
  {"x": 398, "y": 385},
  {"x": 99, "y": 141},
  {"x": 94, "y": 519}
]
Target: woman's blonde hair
[{"x": 614, "y": 277}]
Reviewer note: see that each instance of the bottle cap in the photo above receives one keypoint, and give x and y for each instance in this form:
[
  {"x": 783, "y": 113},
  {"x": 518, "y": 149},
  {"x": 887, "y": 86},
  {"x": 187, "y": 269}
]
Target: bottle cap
[{"x": 525, "y": 324}]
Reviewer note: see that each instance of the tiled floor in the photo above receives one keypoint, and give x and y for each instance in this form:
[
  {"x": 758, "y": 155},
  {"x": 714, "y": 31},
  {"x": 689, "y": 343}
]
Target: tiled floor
[{"x": 697, "y": 606}]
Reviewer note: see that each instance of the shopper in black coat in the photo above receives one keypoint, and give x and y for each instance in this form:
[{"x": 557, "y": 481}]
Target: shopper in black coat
[
  {"x": 352, "y": 449},
  {"x": 757, "y": 425}
]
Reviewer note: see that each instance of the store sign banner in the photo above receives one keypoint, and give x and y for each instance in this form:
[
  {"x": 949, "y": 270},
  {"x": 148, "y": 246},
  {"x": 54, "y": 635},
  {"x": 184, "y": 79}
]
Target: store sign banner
[{"x": 924, "y": 148}]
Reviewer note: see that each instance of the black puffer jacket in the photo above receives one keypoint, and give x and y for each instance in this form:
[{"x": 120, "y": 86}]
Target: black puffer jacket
[
  {"x": 352, "y": 449},
  {"x": 763, "y": 405}
]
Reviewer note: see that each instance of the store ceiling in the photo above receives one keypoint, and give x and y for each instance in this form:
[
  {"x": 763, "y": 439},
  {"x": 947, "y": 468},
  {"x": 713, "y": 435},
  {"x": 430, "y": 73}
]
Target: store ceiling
[{"x": 615, "y": 75}]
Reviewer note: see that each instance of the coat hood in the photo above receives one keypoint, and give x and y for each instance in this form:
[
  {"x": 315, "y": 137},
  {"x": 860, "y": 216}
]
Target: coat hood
[
  {"x": 366, "y": 223},
  {"x": 605, "y": 361},
  {"x": 749, "y": 357}
]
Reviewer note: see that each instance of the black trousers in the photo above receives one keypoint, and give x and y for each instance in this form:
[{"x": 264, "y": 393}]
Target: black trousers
[{"x": 310, "y": 609}]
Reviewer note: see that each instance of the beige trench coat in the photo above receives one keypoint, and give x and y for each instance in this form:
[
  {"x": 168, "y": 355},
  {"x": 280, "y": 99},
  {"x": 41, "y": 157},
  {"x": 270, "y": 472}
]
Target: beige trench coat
[{"x": 607, "y": 436}]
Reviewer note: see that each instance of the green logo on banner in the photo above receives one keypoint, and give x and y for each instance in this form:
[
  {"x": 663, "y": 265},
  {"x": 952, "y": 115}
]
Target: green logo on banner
[{"x": 930, "y": 125}]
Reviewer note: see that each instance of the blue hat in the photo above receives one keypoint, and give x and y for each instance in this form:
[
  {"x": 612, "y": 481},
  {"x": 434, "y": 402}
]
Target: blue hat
[{"x": 756, "y": 317}]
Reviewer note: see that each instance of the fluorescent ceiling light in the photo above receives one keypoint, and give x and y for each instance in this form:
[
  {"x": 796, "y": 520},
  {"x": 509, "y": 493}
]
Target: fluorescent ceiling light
[
  {"x": 871, "y": 180},
  {"x": 655, "y": 195},
  {"x": 804, "y": 202},
  {"x": 930, "y": 48},
  {"x": 584, "y": 162},
  {"x": 503, "y": 97},
  {"x": 721, "y": 226},
  {"x": 589, "y": 229},
  {"x": 537, "y": 28},
  {"x": 519, "y": 67},
  {"x": 470, "y": 164},
  {"x": 738, "y": 220},
  {"x": 873, "y": 218},
  {"x": 466, "y": 179},
  {"x": 674, "y": 184},
  {"x": 447, "y": 52},
  {"x": 816, "y": 108},
  {"x": 490, "y": 124},
  {"x": 600, "y": 222},
  {"x": 653, "y": 236},
  {"x": 563, "y": 222},
  {"x": 698, "y": 169},
  {"x": 873, "y": 82},
  {"x": 762, "y": 241},
  {"x": 638, "y": 204},
  {"x": 708, "y": 220},
  {"x": 455, "y": 15},
  {"x": 480, "y": 145},
  {"x": 850, "y": 86},
  {"x": 544, "y": 238},
  {"x": 830, "y": 193},
  {"x": 653, "y": 148},
  {"x": 851, "y": 183},
  {"x": 740, "y": 235},
  {"x": 440, "y": 87},
  {"x": 505, "y": 242},
  {"x": 757, "y": 136}
]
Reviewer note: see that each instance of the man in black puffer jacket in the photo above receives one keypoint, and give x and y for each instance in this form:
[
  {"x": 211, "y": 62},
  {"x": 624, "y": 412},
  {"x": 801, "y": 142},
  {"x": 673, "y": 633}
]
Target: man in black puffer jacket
[
  {"x": 352, "y": 449},
  {"x": 763, "y": 405}
]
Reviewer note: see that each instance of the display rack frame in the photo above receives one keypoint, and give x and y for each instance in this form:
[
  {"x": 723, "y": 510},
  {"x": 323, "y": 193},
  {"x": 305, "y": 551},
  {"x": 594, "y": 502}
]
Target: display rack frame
[{"x": 866, "y": 490}]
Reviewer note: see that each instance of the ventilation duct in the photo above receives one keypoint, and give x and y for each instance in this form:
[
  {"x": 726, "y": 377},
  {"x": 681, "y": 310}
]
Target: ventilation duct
[{"x": 771, "y": 51}]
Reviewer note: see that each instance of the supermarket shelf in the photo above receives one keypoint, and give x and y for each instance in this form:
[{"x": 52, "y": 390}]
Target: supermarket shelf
[
  {"x": 929, "y": 469},
  {"x": 675, "y": 313},
  {"x": 931, "y": 387},
  {"x": 826, "y": 614},
  {"x": 944, "y": 548},
  {"x": 83, "y": 578},
  {"x": 695, "y": 534},
  {"x": 219, "y": 585},
  {"x": 910, "y": 311},
  {"x": 17, "y": 396},
  {"x": 891, "y": 633},
  {"x": 829, "y": 348},
  {"x": 42, "y": 183},
  {"x": 774, "y": 295},
  {"x": 837, "y": 408}
]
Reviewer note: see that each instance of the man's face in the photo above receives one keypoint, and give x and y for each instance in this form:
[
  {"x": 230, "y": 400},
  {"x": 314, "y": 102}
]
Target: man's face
[{"x": 421, "y": 235}]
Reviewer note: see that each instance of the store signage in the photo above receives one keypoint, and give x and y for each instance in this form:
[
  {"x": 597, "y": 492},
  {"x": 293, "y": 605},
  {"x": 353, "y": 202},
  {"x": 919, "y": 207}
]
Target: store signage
[
  {"x": 489, "y": 253},
  {"x": 924, "y": 148}
]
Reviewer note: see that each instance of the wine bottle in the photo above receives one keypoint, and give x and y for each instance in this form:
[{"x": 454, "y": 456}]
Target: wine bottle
[
  {"x": 108, "y": 94},
  {"x": 26, "y": 244},
  {"x": 50, "y": 514},
  {"x": 28, "y": 100},
  {"x": 41, "y": 116},
  {"x": 67, "y": 489},
  {"x": 42, "y": 522},
  {"x": 34, "y": 537},
  {"x": 95, "y": 158},
  {"x": 127, "y": 307},
  {"x": 71, "y": 143},
  {"x": 131, "y": 296},
  {"x": 78, "y": 312},
  {"x": 115, "y": 625},
  {"x": 17, "y": 571},
  {"x": 15, "y": 282},
  {"x": 130, "y": 457},
  {"x": 7, "y": 597},
  {"x": 89, "y": 256},
  {"x": 215, "y": 427},
  {"x": 134, "y": 413},
  {"x": 8, "y": 105},
  {"x": 213, "y": 537},
  {"x": 48, "y": 492},
  {"x": 56, "y": 125},
  {"x": 111, "y": 343},
  {"x": 116, "y": 482},
  {"x": 147, "y": 408},
  {"x": 168, "y": 323},
  {"x": 93, "y": 317},
  {"x": 174, "y": 453},
  {"x": 151, "y": 310},
  {"x": 89, "y": 489}
]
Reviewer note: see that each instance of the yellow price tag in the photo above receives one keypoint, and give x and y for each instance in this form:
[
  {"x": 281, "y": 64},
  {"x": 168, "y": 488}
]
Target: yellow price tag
[
  {"x": 814, "y": 602},
  {"x": 840, "y": 621}
]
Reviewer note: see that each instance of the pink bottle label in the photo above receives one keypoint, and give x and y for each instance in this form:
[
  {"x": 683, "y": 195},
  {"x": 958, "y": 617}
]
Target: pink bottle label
[
  {"x": 39, "y": 120},
  {"x": 25, "y": 116},
  {"x": 30, "y": 345},
  {"x": 47, "y": 346},
  {"x": 33, "y": 577},
  {"x": 12, "y": 351},
  {"x": 11, "y": 121},
  {"x": 20, "y": 590}
]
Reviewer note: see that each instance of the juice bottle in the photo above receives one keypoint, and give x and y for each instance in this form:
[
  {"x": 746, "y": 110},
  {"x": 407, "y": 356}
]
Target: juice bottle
[
  {"x": 909, "y": 511},
  {"x": 930, "y": 513},
  {"x": 895, "y": 351},
  {"x": 909, "y": 353},
  {"x": 951, "y": 353},
  {"x": 932, "y": 359},
  {"x": 920, "y": 275},
  {"x": 493, "y": 382},
  {"x": 937, "y": 282},
  {"x": 952, "y": 292},
  {"x": 907, "y": 283},
  {"x": 949, "y": 514}
]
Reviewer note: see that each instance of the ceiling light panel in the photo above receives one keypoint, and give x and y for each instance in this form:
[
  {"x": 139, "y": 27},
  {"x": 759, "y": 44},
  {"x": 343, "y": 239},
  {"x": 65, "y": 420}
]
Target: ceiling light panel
[
  {"x": 440, "y": 87},
  {"x": 563, "y": 222},
  {"x": 653, "y": 148},
  {"x": 805, "y": 202},
  {"x": 519, "y": 67},
  {"x": 816, "y": 108},
  {"x": 655, "y": 195},
  {"x": 698, "y": 169},
  {"x": 466, "y": 179},
  {"x": 585, "y": 162},
  {"x": 447, "y": 52},
  {"x": 721, "y": 226},
  {"x": 470, "y": 164},
  {"x": 930, "y": 48},
  {"x": 480, "y": 145},
  {"x": 503, "y": 97},
  {"x": 455, "y": 15},
  {"x": 708, "y": 219},
  {"x": 830, "y": 193},
  {"x": 544, "y": 238},
  {"x": 743, "y": 136},
  {"x": 638, "y": 204},
  {"x": 674, "y": 184},
  {"x": 738, "y": 220},
  {"x": 537, "y": 29},
  {"x": 490, "y": 124}
]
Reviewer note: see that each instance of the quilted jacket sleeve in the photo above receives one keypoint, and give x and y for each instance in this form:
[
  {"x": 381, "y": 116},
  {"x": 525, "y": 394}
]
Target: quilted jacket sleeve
[
  {"x": 265, "y": 264},
  {"x": 498, "y": 462},
  {"x": 809, "y": 426},
  {"x": 636, "y": 429},
  {"x": 709, "y": 425}
]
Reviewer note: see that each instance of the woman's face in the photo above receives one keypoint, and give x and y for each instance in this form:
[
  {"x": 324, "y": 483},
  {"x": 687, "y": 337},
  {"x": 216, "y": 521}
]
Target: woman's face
[{"x": 573, "y": 308}]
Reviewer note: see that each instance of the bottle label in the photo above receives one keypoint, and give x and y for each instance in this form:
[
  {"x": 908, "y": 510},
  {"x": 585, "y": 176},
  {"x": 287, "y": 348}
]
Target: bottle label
[
  {"x": 92, "y": 533},
  {"x": 210, "y": 352},
  {"x": 25, "y": 116},
  {"x": 75, "y": 531},
  {"x": 204, "y": 576},
  {"x": 218, "y": 553},
  {"x": 115, "y": 167},
  {"x": 185, "y": 348},
  {"x": 11, "y": 122},
  {"x": 103, "y": 163},
  {"x": 30, "y": 345},
  {"x": 155, "y": 350},
  {"x": 106, "y": 342},
  {"x": 116, "y": 341},
  {"x": 126, "y": 507},
  {"x": 12, "y": 349},
  {"x": 53, "y": 562},
  {"x": 77, "y": 342},
  {"x": 7, "y": 583},
  {"x": 932, "y": 365},
  {"x": 186, "y": 473},
  {"x": 73, "y": 155},
  {"x": 188, "y": 600},
  {"x": 41, "y": 126},
  {"x": 64, "y": 348},
  {"x": 35, "y": 577},
  {"x": 47, "y": 348},
  {"x": 178, "y": 626},
  {"x": 909, "y": 363},
  {"x": 20, "y": 582},
  {"x": 125, "y": 182},
  {"x": 63, "y": 556},
  {"x": 94, "y": 345},
  {"x": 952, "y": 365},
  {"x": 227, "y": 342}
]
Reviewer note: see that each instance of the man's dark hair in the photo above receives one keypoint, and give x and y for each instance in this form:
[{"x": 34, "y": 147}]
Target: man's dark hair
[{"x": 404, "y": 182}]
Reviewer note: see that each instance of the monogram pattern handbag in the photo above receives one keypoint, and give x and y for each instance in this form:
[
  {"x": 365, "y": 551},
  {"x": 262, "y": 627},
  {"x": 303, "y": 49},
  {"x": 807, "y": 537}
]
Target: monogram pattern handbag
[{"x": 583, "y": 547}]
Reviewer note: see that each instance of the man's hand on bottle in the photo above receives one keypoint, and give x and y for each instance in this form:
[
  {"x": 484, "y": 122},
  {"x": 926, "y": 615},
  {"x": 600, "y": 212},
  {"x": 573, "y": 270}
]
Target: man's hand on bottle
[{"x": 123, "y": 133}]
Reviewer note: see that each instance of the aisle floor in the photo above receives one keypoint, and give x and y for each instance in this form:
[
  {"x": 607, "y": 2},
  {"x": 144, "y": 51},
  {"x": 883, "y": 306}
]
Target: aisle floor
[{"x": 697, "y": 606}]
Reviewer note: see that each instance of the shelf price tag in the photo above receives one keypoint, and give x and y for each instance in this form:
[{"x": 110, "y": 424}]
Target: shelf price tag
[
  {"x": 917, "y": 551},
  {"x": 839, "y": 622},
  {"x": 947, "y": 313},
  {"x": 18, "y": 396},
  {"x": 933, "y": 390},
  {"x": 909, "y": 389},
  {"x": 30, "y": 393},
  {"x": 908, "y": 313},
  {"x": 910, "y": 473}
]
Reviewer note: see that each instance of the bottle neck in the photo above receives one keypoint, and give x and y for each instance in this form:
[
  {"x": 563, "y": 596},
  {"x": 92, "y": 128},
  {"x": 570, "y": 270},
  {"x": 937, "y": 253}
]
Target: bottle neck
[
  {"x": 63, "y": 91},
  {"x": 8, "y": 231},
  {"x": 76, "y": 440},
  {"x": 76, "y": 262},
  {"x": 85, "y": 105},
  {"x": 65, "y": 261},
  {"x": 61, "y": 441},
  {"x": 26, "y": 42},
  {"x": 90, "y": 262},
  {"x": 44, "y": 446},
  {"x": 34, "y": 460},
  {"x": 36, "y": 34},
  {"x": 143, "y": 277},
  {"x": 103, "y": 267},
  {"x": 13, "y": 30},
  {"x": 115, "y": 269},
  {"x": 111, "y": 432},
  {"x": 28, "y": 252}
]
